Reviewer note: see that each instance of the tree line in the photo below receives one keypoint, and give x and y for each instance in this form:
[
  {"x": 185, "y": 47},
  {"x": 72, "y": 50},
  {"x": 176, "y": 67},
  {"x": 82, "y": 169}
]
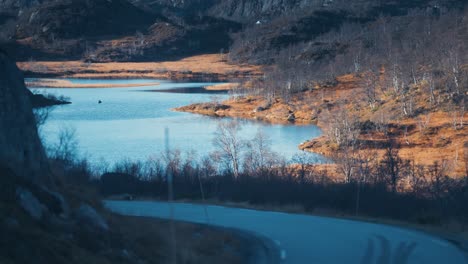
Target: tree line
[
  {"x": 420, "y": 53},
  {"x": 249, "y": 171}
]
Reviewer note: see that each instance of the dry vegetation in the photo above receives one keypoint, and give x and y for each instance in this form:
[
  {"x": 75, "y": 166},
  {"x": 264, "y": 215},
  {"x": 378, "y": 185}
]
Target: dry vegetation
[
  {"x": 64, "y": 239},
  {"x": 396, "y": 80},
  {"x": 60, "y": 83},
  {"x": 202, "y": 67},
  {"x": 433, "y": 137},
  {"x": 195, "y": 243}
]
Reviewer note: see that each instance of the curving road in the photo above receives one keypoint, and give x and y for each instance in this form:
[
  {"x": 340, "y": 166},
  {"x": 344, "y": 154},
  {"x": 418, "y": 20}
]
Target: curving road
[{"x": 311, "y": 239}]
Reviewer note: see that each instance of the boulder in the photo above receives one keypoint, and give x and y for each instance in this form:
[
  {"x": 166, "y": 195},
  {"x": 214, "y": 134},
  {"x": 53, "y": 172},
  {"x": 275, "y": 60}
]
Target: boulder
[
  {"x": 57, "y": 203},
  {"x": 30, "y": 203},
  {"x": 291, "y": 117},
  {"x": 259, "y": 109},
  {"x": 89, "y": 217}
]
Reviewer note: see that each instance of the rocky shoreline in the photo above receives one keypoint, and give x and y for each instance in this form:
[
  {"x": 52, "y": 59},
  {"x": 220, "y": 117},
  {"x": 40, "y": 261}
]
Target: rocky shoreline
[{"x": 436, "y": 142}]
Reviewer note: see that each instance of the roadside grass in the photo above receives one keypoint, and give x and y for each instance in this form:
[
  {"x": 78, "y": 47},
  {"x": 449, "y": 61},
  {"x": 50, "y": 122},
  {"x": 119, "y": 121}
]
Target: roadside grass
[
  {"x": 150, "y": 240},
  {"x": 129, "y": 239}
]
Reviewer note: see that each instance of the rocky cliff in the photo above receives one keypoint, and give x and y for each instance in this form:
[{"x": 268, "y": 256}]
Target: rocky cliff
[{"x": 20, "y": 147}]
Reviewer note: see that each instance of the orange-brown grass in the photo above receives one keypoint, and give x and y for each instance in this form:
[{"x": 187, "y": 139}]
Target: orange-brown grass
[
  {"x": 209, "y": 65},
  {"x": 59, "y": 83},
  {"x": 422, "y": 143},
  {"x": 222, "y": 87}
]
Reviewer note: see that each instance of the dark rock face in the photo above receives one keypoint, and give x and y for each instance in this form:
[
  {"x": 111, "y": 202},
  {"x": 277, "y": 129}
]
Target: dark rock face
[{"x": 20, "y": 147}]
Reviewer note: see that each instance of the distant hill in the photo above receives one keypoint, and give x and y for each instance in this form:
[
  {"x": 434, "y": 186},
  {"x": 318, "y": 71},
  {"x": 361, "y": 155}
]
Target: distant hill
[
  {"x": 257, "y": 31},
  {"x": 82, "y": 19}
]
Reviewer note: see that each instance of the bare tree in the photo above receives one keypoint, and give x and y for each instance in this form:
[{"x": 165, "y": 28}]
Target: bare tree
[
  {"x": 381, "y": 121},
  {"x": 229, "y": 145},
  {"x": 66, "y": 148},
  {"x": 391, "y": 165},
  {"x": 458, "y": 114},
  {"x": 439, "y": 181},
  {"x": 344, "y": 128},
  {"x": 423, "y": 123},
  {"x": 347, "y": 163},
  {"x": 41, "y": 115},
  {"x": 259, "y": 158},
  {"x": 370, "y": 81},
  {"x": 304, "y": 160}
]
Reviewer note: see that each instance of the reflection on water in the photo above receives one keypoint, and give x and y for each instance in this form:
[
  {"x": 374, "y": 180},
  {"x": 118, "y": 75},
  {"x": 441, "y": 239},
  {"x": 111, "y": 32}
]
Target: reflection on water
[
  {"x": 130, "y": 123},
  {"x": 191, "y": 90}
]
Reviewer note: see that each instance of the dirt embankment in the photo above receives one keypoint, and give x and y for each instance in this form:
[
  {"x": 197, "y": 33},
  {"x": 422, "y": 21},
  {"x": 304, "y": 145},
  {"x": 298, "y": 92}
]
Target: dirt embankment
[
  {"x": 424, "y": 138},
  {"x": 210, "y": 67}
]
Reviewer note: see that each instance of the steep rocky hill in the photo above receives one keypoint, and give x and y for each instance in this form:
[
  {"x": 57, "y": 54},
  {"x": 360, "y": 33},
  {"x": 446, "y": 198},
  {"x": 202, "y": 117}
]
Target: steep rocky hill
[{"x": 20, "y": 146}]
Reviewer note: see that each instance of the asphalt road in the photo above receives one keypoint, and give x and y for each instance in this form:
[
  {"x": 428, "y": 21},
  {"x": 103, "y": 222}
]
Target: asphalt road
[{"x": 311, "y": 239}]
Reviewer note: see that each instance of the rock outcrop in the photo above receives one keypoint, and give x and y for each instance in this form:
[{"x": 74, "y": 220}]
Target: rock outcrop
[
  {"x": 20, "y": 147},
  {"x": 88, "y": 216},
  {"x": 30, "y": 203}
]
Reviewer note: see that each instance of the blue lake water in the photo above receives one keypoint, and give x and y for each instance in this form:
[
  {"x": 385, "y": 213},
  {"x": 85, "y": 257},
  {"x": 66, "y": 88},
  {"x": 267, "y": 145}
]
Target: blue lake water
[{"x": 130, "y": 122}]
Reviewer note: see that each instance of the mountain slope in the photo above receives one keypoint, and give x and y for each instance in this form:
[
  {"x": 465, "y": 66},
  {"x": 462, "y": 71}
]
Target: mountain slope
[
  {"x": 82, "y": 18},
  {"x": 257, "y": 31},
  {"x": 20, "y": 146}
]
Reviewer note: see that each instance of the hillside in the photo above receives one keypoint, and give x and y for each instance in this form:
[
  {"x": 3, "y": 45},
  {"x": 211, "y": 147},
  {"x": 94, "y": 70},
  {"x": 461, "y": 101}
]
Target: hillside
[
  {"x": 100, "y": 31},
  {"x": 21, "y": 147},
  {"x": 407, "y": 61},
  {"x": 51, "y": 213},
  {"x": 255, "y": 31},
  {"x": 385, "y": 81}
]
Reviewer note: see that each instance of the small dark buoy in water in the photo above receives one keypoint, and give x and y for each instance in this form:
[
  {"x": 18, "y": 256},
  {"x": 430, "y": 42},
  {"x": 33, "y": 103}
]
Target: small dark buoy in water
[{"x": 99, "y": 102}]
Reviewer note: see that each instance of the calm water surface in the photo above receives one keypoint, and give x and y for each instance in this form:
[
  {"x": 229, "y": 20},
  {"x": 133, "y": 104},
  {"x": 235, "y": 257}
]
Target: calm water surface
[{"x": 130, "y": 122}]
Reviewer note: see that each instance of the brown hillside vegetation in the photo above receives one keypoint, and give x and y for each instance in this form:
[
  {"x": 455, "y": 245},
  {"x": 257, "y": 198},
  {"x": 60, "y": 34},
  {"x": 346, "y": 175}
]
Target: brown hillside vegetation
[
  {"x": 202, "y": 67},
  {"x": 436, "y": 134}
]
